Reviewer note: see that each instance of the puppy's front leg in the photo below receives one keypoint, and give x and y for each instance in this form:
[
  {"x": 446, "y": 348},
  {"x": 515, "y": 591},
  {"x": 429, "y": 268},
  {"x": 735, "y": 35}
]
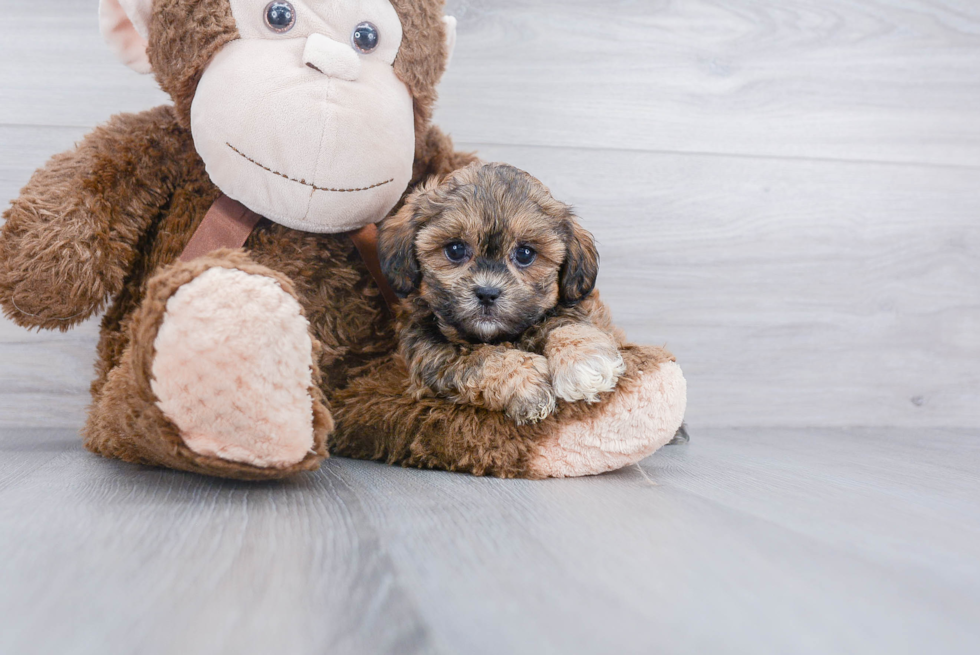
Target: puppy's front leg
[
  {"x": 495, "y": 377},
  {"x": 584, "y": 361}
]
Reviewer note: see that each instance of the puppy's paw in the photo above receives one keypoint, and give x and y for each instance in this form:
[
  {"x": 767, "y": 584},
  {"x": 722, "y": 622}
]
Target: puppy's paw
[
  {"x": 584, "y": 362},
  {"x": 519, "y": 384},
  {"x": 533, "y": 404}
]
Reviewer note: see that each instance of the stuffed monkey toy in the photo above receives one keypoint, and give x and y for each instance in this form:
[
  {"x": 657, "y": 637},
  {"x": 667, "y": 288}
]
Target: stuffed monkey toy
[{"x": 293, "y": 126}]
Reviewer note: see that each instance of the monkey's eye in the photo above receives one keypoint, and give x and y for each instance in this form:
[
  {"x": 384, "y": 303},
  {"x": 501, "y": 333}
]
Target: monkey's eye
[
  {"x": 280, "y": 17},
  {"x": 457, "y": 252},
  {"x": 524, "y": 256},
  {"x": 365, "y": 38}
]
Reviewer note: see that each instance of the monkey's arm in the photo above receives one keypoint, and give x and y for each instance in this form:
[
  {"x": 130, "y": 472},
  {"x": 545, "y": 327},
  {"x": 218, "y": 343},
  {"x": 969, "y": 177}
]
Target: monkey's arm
[
  {"x": 495, "y": 377},
  {"x": 72, "y": 235}
]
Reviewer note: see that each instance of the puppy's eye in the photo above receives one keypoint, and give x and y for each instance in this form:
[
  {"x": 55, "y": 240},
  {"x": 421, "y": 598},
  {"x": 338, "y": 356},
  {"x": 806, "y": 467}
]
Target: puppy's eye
[
  {"x": 524, "y": 255},
  {"x": 365, "y": 38},
  {"x": 280, "y": 17},
  {"x": 457, "y": 252}
]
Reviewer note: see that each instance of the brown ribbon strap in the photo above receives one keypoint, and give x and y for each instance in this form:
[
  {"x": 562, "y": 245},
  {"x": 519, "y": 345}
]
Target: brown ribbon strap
[
  {"x": 366, "y": 240},
  {"x": 228, "y": 224}
]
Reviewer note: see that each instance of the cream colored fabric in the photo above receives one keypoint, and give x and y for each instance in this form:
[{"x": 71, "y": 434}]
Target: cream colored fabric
[
  {"x": 634, "y": 425},
  {"x": 332, "y": 58},
  {"x": 326, "y": 149},
  {"x": 123, "y": 24},
  {"x": 450, "y": 23},
  {"x": 233, "y": 369},
  {"x": 306, "y": 150}
]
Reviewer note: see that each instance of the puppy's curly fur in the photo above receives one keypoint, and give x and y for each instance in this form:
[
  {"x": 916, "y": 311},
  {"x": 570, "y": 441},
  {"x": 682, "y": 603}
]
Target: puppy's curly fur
[{"x": 498, "y": 278}]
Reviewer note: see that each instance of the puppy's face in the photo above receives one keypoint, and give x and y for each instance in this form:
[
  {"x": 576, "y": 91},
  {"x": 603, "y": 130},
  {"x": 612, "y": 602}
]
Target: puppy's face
[
  {"x": 490, "y": 251},
  {"x": 490, "y": 265}
]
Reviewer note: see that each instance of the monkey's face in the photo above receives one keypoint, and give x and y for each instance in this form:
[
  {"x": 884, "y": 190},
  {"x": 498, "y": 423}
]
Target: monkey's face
[
  {"x": 305, "y": 111},
  {"x": 302, "y": 119},
  {"x": 490, "y": 251}
]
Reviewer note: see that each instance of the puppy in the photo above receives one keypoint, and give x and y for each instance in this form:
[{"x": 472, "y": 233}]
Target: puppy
[{"x": 498, "y": 278}]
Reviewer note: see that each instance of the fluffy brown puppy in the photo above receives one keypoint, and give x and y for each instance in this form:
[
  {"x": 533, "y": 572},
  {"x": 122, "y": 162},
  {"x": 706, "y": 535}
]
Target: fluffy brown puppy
[{"x": 495, "y": 271}]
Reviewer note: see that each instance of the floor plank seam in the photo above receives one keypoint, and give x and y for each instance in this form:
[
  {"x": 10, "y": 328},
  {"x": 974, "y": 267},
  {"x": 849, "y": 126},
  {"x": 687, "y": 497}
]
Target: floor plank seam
[{"x": 467, "y": 145}]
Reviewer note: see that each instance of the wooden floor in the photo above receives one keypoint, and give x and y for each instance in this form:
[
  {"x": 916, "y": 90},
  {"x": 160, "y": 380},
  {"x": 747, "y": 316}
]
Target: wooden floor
[
  {"x": 745, "y": 541},
  {"x": 786, "y": 193}
]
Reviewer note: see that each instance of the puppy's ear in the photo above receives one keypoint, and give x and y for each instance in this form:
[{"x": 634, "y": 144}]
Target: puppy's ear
[
  {"x": 581, "y": 267},
  {"x": 396, "y": 241},
  {"x": 396, "y": 250}
]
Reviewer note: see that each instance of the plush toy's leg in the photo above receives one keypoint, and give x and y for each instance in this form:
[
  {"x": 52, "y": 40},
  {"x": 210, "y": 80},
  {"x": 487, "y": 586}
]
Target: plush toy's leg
[
  {"x": 377, "y": 419},
  {"x": 218, "y": 376},
  {"x": 640, "y": 417}
]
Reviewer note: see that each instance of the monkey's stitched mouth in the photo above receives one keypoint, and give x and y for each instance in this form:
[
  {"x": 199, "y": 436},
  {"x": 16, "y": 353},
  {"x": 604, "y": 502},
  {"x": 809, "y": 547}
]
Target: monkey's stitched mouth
[{"x": 304, "y": 182}]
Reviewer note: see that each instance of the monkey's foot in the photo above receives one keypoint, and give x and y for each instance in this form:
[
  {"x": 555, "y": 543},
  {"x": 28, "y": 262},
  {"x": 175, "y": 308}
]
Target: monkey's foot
[
  {"x": 640, "y": 416},
  {"x": 233, "y": 369}
]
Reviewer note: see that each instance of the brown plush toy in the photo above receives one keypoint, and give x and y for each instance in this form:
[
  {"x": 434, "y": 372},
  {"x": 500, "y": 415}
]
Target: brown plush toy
[{"x": 253, "y": 362}]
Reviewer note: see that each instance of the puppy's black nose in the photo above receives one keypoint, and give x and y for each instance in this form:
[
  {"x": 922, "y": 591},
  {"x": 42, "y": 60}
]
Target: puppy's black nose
[{"x": 487, "y": 295}]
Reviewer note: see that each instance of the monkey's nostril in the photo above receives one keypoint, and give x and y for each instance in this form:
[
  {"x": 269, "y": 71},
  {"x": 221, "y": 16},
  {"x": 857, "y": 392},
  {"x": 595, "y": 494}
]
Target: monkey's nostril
[{"x": 487, "y": 295}]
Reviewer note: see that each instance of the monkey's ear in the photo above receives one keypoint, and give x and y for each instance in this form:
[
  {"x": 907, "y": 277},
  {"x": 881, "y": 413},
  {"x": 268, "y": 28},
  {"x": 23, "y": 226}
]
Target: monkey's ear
[
  {"x": 450, "y": 23},
  {"x": 125, "y": 27},
  {"x": 581, "y": 267}
]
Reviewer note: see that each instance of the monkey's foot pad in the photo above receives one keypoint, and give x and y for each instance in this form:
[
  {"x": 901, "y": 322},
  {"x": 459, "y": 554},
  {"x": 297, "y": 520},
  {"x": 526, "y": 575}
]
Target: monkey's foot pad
[
  {"x": 233, "y": 369},
  {"x": 634, "y": 424}
]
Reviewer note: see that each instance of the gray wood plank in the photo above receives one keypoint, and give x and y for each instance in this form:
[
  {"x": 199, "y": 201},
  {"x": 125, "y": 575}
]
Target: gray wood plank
[
  {"x": 56, "y": 70},
  {"x": 768, "y": 541},
  {"x": 746, "y": 541},
  {"x": 842, "y": 79},
  {"x": 98, "y": 556},
  {"x": 27, "y": 148},
  {"x": 835, "y": 79}
]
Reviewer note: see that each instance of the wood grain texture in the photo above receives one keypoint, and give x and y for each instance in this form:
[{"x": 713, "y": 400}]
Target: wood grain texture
[
  {"x": 114, "y": 558},
  {"x": 832, "y": 79},
  {"x": 55, "y": 69},
  {"x": 745, "y": 541}
]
